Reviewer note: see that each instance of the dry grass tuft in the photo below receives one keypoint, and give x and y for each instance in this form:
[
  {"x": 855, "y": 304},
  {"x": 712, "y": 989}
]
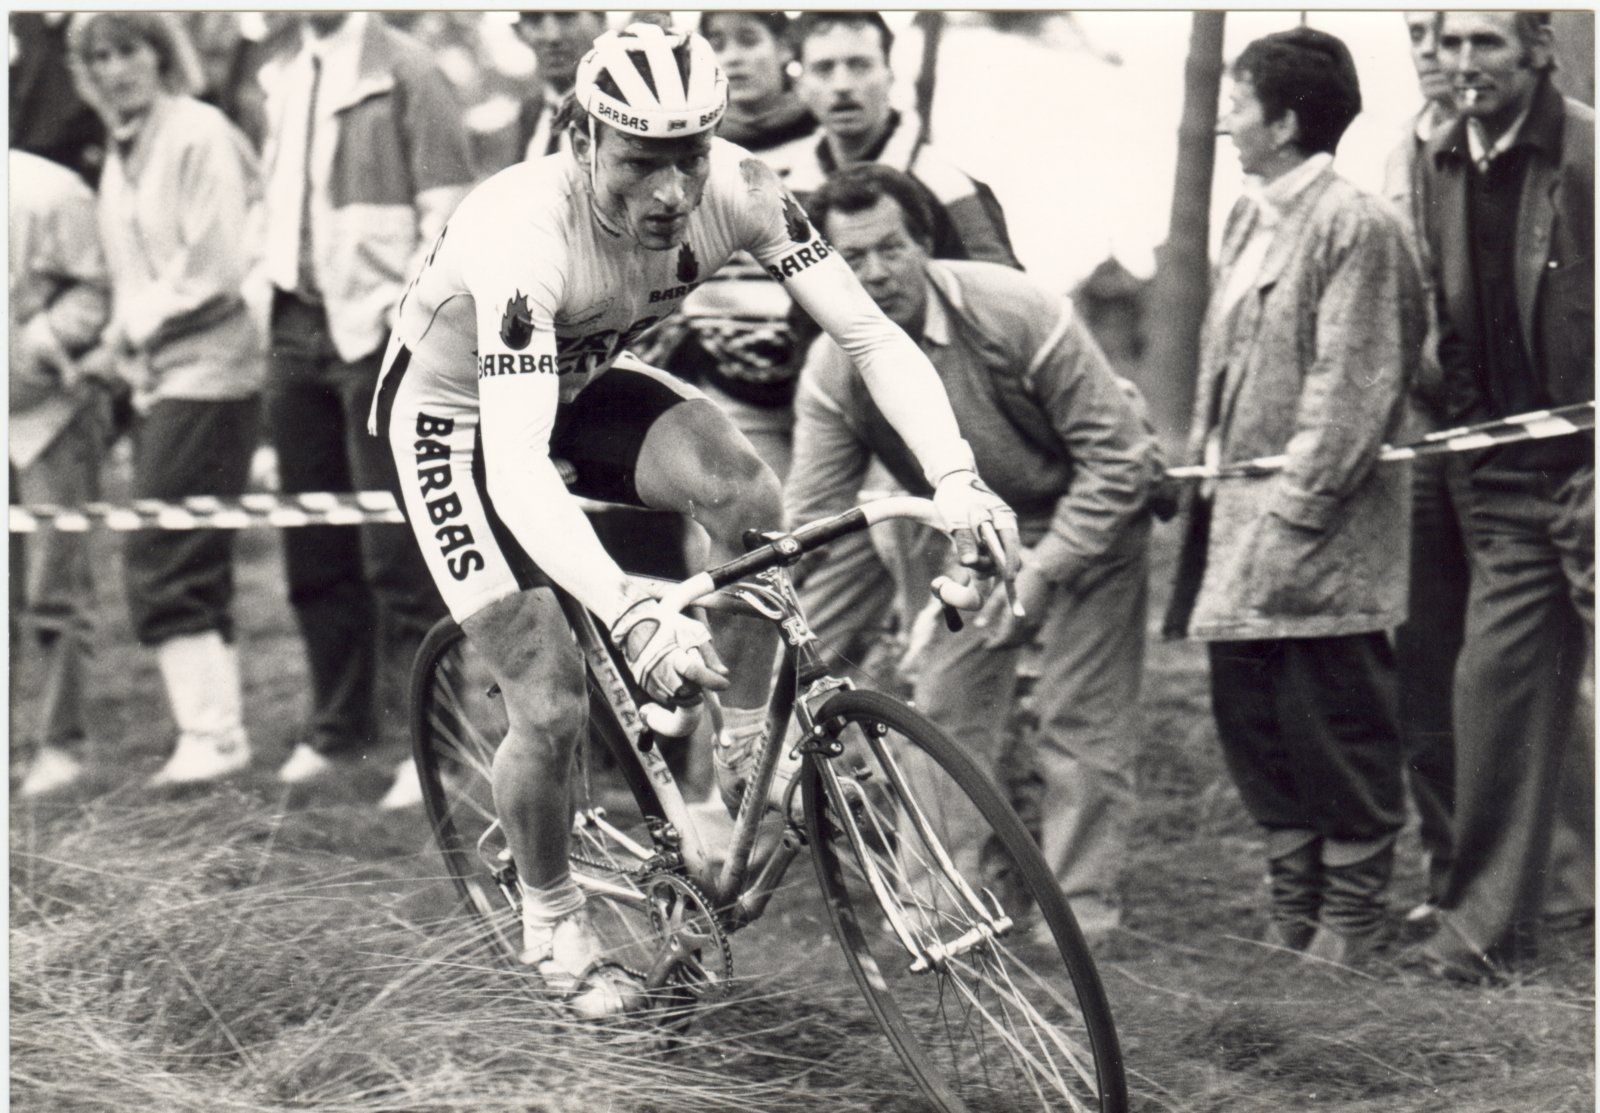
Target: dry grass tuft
[{"x": 176, "y": 957}]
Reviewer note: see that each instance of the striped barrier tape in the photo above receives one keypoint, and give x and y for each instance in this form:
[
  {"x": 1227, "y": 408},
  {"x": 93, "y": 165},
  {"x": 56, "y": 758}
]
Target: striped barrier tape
[
  {"x": 207, "y": 512},
  {"x": 326, "y": 509},
  {"x": 1537, "y": 425}
]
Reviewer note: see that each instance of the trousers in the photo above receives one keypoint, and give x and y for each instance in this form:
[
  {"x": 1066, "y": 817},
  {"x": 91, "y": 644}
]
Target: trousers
[
  {"x": 1082, "y": 754},
  {"x": 181, "y": 581},
  {"x": 1426, "y": 646},
  {"x": 1524, "y": 750},
  {"x": 362, "y": 596},
  {"x": 52, "y": 588},
  {"x": 1309, "y": 733}
]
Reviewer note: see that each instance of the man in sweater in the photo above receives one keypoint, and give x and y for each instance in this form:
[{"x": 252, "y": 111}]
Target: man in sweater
[
  {"x": 1055, "y": 430},
  {"x": 845, "y": 80}
]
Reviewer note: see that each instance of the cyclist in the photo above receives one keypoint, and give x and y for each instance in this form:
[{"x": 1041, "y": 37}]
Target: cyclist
[{"x": 509, "y": 355}]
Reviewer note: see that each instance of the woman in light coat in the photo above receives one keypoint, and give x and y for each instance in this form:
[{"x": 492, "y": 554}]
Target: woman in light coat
[
  {"x": 175, "y": 208},
  {"x": 1314, "y": 330}
]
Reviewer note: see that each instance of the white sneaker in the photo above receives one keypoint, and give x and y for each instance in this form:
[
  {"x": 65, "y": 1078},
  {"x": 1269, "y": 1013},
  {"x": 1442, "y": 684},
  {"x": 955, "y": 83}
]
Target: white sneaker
[
  {"x": 200, "y": 757},
  {"x": 304, "y": 764},
  {"x": 52, "y": 768},
  {"x": 569, "y": 957},
  {"x": 406, "y": 791}
]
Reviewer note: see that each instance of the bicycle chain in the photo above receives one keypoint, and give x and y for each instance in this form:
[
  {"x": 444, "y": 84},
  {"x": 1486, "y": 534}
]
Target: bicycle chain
[{"x": 646, "y": 877}]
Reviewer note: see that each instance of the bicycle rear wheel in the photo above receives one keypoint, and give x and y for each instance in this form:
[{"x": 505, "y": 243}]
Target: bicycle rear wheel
[
  {"x": 990, "y": 997},
  {"x": 457, "y": 723}
]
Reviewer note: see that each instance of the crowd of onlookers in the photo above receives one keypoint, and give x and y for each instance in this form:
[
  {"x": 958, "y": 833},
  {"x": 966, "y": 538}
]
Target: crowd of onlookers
[{"x": 213, "y": 214}]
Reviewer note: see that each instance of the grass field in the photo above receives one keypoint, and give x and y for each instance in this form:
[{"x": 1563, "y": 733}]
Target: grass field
[{"x": 244, "y": 948}]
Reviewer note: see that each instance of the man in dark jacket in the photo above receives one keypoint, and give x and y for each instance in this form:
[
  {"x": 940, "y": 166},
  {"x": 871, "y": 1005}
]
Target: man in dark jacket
[
  {"x": 1427, "y": 643},
  {"x": 1510, "y": 232},
  {"x": 559, "y": 40}
]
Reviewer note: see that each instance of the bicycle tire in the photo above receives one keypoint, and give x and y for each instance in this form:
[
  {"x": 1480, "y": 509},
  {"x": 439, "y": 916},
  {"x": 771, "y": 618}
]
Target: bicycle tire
[
  {"x": 1066, "y": 1054},
  {"x": 456, "y": 725}
]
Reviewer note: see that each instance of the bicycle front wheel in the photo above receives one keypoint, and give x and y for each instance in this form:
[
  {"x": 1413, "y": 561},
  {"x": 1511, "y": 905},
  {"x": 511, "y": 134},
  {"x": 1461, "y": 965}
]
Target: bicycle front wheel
[{"x": 957, "y": 935}]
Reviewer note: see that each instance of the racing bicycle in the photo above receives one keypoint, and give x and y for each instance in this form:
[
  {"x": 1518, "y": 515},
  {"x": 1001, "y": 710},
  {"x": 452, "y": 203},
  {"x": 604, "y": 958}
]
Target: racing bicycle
[{"x": 966, "y": 951}]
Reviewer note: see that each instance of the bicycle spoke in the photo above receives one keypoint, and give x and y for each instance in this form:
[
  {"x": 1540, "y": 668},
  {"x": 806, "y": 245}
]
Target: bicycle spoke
[{"x": 982, "y": 1021}]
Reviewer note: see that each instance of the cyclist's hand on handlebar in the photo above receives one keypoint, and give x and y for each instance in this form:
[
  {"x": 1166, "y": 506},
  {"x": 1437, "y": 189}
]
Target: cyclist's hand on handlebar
[
  {"x": 982, "y": 526},
  {"x": 667, "y": 653}
]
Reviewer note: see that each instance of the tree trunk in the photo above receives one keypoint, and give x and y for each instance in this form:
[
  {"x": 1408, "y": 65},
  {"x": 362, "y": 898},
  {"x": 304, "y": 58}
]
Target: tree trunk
[
  {"x": 1574, "y": 35},
  {"x": 931, "y": 23},
  {"x": 1178, "y": 299}
]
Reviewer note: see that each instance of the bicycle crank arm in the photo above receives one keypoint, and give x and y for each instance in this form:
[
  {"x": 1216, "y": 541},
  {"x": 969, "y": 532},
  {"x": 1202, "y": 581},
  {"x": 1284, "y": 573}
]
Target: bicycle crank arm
[{"x": 626, "y": 894}]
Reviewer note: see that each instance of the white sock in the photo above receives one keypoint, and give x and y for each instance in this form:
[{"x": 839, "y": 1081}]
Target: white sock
[{"x": 543, "y": 906}]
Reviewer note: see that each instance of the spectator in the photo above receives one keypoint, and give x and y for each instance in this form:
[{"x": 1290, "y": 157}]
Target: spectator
[
  {"x": 175, "y": 197},
  {"x": 60, "y": 301},
  {"x": 47, "y": 116},
  {"x": 737, "y": 343},
  {"x": 233, "y": 46},
  {"x": 1312, "y": 335},
  {"x": 367, "y": 158},
  {"x": 1510, "y": 237},
  {"x": 845, "y": 80},
  {"x": 755, "y": 51},
  {"x": 1062, "y": 439},
  {"x": 1427, "y": 643},
  {"x": 559, "y": 40}
]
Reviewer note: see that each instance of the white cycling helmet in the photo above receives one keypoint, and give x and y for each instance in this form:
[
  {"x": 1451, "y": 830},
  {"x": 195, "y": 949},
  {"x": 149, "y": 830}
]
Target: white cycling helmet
[{"x": 656, "y": 101}]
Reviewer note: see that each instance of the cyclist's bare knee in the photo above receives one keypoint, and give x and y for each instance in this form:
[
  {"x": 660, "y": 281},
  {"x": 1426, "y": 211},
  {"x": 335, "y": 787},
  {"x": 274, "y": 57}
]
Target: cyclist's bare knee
[
  {"x": 525, "y": 641},
  {"x": 695, "y": 462},
  {"x": 743, "y": 494}
]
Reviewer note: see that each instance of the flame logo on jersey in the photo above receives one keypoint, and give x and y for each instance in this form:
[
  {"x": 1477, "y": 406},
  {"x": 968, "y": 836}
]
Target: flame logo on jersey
[
  {"x": 688, "y": 265},
  {"x": 794, "y": 219},
  {"x": 516, "y": 324}
]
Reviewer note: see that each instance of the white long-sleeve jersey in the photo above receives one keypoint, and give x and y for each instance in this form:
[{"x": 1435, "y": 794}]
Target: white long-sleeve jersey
[{"x": 529, "y": 295}]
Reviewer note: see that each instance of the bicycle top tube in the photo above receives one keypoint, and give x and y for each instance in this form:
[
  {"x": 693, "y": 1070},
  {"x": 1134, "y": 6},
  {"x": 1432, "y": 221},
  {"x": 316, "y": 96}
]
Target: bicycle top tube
[{"x": 789, "y": 547}]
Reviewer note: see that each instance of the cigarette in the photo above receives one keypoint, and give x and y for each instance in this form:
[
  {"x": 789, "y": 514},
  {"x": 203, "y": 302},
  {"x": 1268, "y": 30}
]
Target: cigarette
[{"x": 1469, "y": 98}]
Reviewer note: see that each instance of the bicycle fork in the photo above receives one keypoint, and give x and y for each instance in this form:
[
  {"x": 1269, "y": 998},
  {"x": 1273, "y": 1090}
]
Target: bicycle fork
[{"x": 992, "y": 923}]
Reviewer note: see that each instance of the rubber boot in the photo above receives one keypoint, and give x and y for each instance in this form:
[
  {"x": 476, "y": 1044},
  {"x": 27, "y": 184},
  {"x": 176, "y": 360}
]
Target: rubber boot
[
  {"x": 201, "y": 675},
  {"x": 1353, "y": 925},
  {"x": 1295, "y": 882}
]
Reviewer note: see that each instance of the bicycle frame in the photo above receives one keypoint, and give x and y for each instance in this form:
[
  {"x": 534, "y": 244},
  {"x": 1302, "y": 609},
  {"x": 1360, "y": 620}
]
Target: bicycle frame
[{"x": 755, "y": 865}]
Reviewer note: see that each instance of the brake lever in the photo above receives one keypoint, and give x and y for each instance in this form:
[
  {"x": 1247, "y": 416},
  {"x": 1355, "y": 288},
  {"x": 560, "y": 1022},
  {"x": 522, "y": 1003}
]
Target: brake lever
[{"x": 990, "y": 539}]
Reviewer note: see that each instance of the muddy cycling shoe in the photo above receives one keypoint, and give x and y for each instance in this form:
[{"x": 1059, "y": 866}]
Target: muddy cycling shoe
[
  {"x": 733, "y": 759},
  {"x": 569, "y": 957}
]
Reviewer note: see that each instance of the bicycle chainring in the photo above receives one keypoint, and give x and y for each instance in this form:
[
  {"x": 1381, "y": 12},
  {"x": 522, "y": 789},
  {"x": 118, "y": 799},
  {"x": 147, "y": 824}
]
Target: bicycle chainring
[{"x": 693, "y": 963}]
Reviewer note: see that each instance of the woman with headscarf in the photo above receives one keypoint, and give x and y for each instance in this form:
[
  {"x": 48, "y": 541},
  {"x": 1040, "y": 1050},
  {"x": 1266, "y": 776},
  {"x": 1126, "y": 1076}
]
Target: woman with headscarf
[{"x": 175, "y": 209}]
